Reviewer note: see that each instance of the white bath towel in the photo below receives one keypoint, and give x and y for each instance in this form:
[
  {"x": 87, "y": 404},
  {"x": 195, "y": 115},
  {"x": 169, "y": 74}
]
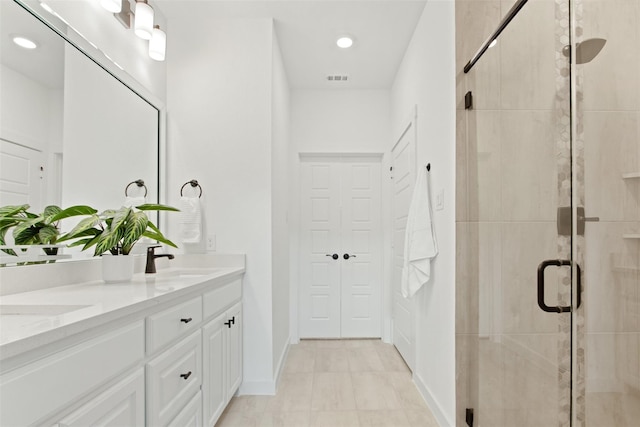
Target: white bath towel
[
  {"x": 420, "y": 244},
  {"x": 130, "y": 201},
  {"x": 190, "y": 219}
]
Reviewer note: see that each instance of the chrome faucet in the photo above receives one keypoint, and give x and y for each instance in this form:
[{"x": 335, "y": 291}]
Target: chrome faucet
[{"x": 151, "y": 259}]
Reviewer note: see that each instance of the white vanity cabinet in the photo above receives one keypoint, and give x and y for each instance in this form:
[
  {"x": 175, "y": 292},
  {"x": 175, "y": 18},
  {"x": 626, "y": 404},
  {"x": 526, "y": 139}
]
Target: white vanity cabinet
[
  {"x": 175, "y": 363},
  {"x": 222, "y": 350}
]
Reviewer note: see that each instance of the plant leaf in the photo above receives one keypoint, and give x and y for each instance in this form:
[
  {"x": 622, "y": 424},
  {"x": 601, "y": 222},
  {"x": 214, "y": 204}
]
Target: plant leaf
[
  {"x": 81, "y": 228},
  {"x": 25, "y": 236},
  {"x": 121, "y": 218},
  {"x": 109, "y": 240},
  {"x": 159, "y": 237},
  {"x": 50, "y": 212},
  {"x": 48, "y": 234},
  {"x": 73, "y": 211},
  {"x": 12, "y": 210},
  {"x": 156, "y": 207},
  {"x": 135, "y": 228}
]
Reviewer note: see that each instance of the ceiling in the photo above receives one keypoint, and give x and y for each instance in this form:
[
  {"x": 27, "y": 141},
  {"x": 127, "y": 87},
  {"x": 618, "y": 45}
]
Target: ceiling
[
  {"x": 307, "y": 31},
  {"x": 44, "y": 64}
]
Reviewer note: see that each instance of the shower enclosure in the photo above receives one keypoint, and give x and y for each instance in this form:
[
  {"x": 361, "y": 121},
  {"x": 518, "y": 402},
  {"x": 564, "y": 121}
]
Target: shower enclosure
[{"x": 548, "y": 218}]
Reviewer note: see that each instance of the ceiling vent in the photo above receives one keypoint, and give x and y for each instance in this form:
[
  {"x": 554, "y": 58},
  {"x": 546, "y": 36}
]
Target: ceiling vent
[{"x": 337, "y": 78}]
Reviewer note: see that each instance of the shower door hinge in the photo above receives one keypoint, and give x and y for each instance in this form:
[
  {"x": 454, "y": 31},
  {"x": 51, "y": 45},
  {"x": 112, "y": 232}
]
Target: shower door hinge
[
  {"x": 468, "y": 101},
  {"x": 564, "y": 220},
  {"x": 469, "y": 416}
]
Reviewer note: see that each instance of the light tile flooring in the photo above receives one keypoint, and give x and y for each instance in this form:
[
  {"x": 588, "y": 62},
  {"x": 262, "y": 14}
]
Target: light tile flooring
[{"x": 336, "y": 383}]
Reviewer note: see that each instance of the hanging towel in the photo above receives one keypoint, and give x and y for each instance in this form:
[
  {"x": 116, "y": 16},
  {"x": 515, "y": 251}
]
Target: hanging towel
[
  {"x": 420, "y": 244},
  {"x": 130, "y": 201},
  {"x": 190, "y": 220}
]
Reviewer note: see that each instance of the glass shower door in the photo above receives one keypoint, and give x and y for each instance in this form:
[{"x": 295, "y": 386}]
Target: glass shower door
[{"x": 518, "y": 233}]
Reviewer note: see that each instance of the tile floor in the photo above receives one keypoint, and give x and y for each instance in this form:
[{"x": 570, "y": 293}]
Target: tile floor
[{"x": 336, "y": 383}]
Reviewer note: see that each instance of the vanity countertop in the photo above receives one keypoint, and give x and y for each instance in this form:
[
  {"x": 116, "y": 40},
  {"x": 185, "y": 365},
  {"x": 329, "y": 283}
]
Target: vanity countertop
[{"x": 32, "y": 319}]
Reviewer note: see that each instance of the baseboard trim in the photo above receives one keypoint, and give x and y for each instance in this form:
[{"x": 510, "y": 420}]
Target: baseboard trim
[
  {"x": 266, "y": 388},
  {"x": 432, "y": 403}
]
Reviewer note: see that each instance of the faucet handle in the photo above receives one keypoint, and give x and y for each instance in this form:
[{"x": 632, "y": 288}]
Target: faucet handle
[{"x": 151, "y": 249}]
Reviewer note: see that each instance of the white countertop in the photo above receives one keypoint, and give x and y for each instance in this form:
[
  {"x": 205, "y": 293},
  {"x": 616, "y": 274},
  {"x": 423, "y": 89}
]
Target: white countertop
[{"x": 36, "y": 318}]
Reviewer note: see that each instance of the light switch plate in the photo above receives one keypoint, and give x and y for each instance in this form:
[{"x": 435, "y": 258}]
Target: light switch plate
[
  {"x": 211, "y": 242},
  {"x": 440, "y": 200}
]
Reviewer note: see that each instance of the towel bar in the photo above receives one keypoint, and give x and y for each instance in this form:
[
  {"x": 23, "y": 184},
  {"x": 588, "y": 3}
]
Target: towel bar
[
  {"x": 139, "y": 183},
  {"x": 194, "y": 184}
]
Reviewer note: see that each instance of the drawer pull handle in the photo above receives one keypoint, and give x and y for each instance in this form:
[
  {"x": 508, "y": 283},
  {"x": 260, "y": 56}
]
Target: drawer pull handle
[
  {"x": 187, "y": 320},
  {"x": 231, "y": 321},
  {"x": 186, "y": 376},
  {"x": 228, "y": 323}
]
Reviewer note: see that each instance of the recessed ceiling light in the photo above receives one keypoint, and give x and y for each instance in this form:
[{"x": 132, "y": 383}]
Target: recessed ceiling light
[
  {"x": 24, "y": 42},
  {"x": 344, "y": 42}
]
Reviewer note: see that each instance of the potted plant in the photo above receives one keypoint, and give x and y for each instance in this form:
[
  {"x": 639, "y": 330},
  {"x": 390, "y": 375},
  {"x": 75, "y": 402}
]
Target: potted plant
[
  {"x": 30, "y": 228},
  {"x": 113, "y": 233}
]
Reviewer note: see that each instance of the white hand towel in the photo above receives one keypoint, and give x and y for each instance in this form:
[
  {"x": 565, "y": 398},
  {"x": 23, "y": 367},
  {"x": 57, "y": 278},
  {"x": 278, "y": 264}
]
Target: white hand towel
[
  {"x": 420, "y": 244},
  {"x": 130, "y": 201},
  {"x": 190, "y": 220}
]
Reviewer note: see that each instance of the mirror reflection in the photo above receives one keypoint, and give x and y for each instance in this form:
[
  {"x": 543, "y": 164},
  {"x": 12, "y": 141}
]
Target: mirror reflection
[{"x": 70, "y": 132}]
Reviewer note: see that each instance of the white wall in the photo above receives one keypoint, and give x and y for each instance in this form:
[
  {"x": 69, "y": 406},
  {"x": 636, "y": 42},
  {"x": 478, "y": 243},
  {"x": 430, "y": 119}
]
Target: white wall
[
  {"x": 281, "y": 123},
  {"x": 219, "y": 132},
  {"x": 121, "y": 44},
  {"x": 426, "y": 78},
  {"x": 333, "y": 121}
]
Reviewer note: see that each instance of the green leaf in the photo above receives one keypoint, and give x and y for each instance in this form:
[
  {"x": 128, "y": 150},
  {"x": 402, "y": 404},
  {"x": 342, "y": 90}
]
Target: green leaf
[
  {"x": 22, "y": 226},
  {"x": 120, "y": 218},
  {"x": 12, "y": 210},
  {"x": 82, "y": 227},
  {"x": 25, "y": 236},
  {"x": 50, "y": 212},
  {"x": 108, "y": 214},
  {"x": 80, "y": 242},
  {"x": 135, "y": 228},
  {"x": 108, "y": 240},
  {"x": 48, "y": 234},
  {"x": 73, "y": 211},
  {"x": 156, "y": 207},
  {"x": 159, "y": 237}
]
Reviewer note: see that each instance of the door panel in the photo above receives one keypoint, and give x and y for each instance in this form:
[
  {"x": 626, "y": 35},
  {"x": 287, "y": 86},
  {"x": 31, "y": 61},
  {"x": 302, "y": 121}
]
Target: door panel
[
  {"x": 340, "y": 218},
  {"x": 403, "y": 175},
  {"x": 20, "y": 175}
]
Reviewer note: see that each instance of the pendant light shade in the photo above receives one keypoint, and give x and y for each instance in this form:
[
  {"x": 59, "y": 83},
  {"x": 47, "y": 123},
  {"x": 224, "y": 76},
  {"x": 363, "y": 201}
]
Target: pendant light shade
[
  {"x": 114, "y": 6},
  {"x": 158, "y": 44},
  {"x": 143, "y": 20}
]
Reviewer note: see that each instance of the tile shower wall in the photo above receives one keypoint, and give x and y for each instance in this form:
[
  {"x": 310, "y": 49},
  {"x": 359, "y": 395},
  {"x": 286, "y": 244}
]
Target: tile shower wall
[{"x": 609, "y": 130}]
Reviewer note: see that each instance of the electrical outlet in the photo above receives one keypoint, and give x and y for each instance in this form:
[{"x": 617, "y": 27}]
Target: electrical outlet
[{"x": 211, "y": 242}]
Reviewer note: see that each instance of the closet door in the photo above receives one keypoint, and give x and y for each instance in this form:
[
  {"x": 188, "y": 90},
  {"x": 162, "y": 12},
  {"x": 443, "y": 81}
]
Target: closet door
[
  {"x": 361, "y": 254},
  {"x": 320, "y": 294},
  {"x": 341, "y": 255}
]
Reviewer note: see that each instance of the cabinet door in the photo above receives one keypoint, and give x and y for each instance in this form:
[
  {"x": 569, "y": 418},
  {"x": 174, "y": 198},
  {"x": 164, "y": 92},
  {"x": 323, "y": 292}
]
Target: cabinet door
[
  {"x": 234, "y": 349},
  {"x": 191, "y": 415},
  {"x": 120, "y": 405},
  {"x": 213, "y": 385},
  {"x": 173, "y": 378}
]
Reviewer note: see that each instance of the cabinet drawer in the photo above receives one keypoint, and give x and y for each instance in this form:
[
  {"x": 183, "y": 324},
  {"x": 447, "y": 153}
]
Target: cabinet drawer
[
  {"x": 36, "y": 390},
  {"x": 191, "y": 415},
  {"x": 219, "y": 299},
  {"x": 173, "y": 378},
  {"x": 172, "y": 323},
  {"x": 121, "y": 405}
]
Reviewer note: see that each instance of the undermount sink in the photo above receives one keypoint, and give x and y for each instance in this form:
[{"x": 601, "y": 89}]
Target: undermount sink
[{"x": 38, "y": 310}]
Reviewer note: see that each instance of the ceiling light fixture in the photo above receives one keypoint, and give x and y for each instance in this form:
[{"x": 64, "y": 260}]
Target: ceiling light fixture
[
  {"x": 143, "y": 21},
  {"x": 113, "y": 6},
  {"x": 345, "y": 42},
  {"x": 24, "y": 42},
  {"x": 158, "y": 44}
]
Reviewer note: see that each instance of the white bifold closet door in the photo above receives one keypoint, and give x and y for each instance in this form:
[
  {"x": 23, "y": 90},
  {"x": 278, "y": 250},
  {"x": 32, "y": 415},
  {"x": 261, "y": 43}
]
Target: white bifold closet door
[{"x": 341, "y": 248}]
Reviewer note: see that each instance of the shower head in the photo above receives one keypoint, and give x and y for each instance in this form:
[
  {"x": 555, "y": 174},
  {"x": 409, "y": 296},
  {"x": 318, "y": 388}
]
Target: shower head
[{"x": 586, "y": 50}]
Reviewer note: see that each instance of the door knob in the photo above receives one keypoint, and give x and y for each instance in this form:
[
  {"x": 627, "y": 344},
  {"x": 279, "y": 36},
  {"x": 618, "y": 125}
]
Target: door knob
[
  {"x": 334, "y": 256},
  {"x": 347, "y": 256}
]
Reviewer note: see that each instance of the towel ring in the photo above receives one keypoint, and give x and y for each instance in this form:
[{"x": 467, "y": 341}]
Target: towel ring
[
  {"x": 194, "y": 184},
  {"x": 139, "y": 183}
]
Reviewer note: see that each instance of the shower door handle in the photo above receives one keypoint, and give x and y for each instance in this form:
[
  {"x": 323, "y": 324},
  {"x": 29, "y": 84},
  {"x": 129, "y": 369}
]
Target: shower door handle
[{"x": 557, "y": 263}]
